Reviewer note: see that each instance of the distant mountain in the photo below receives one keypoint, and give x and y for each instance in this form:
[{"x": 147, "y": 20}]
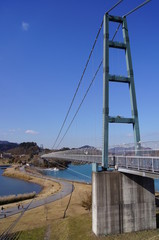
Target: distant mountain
[
  {"x": 126, "y": 150},
  {"x": 5, "y": 146},
  {"x": 86, "y": 146}
]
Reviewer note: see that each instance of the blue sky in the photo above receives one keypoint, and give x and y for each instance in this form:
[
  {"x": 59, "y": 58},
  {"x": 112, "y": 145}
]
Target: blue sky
[{"x": 44, "y": 46}]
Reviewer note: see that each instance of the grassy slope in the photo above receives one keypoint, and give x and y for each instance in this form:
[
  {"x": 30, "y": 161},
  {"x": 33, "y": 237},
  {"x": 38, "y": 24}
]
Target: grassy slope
[
  {"x": 77, "y": 225},
  {"x": 79, "y": 228},
  {"x": 38, "y": 234}
]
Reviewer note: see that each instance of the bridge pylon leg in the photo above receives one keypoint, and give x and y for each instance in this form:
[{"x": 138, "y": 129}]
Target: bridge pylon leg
[{"x": 107, "y": 77}]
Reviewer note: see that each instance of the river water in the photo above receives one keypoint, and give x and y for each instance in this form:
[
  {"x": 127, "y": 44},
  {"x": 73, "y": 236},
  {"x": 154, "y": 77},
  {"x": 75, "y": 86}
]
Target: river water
[
  {"x": 79, "y": 173},
  {"x": 9, "y": 186}
]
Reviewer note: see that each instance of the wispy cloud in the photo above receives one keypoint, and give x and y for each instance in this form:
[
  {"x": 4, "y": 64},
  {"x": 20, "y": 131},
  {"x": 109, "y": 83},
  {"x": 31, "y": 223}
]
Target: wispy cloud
[
  {"x": 32, "y": 132},
  {"x": 25, "y": 26}
]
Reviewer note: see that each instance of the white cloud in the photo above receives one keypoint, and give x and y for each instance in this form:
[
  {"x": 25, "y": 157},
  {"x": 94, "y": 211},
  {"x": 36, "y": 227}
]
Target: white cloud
[
  {"x": 31, "y": 132},
  {"x": 25, "y": 26}
]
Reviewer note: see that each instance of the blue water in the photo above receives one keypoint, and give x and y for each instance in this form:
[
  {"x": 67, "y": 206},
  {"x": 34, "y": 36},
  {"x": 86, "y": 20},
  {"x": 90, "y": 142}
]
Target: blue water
[
  {"x": 80, "y": 173},
  {"x": 156, "y": 185},
  {"x": 10, "y": 186}
]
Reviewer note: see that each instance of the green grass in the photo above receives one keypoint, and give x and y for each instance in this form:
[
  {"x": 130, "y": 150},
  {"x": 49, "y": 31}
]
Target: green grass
[
  {"x": 35, "y": 234},
  {"x": 72, "y": 228},
  {"x": 80, "y": 228}
]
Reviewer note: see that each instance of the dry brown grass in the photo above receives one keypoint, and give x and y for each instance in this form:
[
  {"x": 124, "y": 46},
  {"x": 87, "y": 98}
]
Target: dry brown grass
[
  {"x": 43, "y": 215},
  {"x": 4, "y": 161},
  {"x": 16, "y": 198},
  {"x": 76, "y": 225},
  {"x": 14, "y": 173}
]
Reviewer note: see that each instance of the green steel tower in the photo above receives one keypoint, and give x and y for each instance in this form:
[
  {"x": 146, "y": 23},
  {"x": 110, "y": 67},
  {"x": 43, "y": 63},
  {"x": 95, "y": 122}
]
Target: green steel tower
[{"x": 125, "y": 45}]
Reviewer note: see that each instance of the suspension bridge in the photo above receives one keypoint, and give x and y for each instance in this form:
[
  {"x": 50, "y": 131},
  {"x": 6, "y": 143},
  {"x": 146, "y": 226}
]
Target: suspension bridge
[
  {"x": 122, "y": 184},
  {"x": 145, "y": 164},
  {"x": 122, "y": 200}
]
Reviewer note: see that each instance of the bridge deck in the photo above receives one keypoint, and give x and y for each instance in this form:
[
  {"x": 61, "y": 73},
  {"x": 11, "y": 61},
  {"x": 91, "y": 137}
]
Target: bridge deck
[{"x": 141, "y": 164}]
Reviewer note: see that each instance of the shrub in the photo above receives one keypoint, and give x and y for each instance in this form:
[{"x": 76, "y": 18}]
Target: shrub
[
  {"x": 16, "y": 198},
  {"x": 87, "y": 201}
]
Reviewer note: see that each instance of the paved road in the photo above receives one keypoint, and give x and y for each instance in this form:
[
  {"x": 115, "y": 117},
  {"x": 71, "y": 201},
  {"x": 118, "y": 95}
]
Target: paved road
[{"x": 66, "y": 189}]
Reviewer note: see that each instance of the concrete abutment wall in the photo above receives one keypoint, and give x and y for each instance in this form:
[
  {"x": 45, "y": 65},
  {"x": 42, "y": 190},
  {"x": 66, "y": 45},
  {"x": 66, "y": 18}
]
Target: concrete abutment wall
[{"x": 122, "y": 203}]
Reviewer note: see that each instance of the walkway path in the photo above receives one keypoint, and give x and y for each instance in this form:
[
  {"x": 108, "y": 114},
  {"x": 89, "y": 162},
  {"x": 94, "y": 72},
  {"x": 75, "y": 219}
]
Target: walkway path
[{"x": 66, "y": 189}]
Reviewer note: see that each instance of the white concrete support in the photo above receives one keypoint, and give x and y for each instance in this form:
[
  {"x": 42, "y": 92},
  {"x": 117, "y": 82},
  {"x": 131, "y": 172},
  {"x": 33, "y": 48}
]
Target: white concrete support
[{"x": 122, "y": 203}]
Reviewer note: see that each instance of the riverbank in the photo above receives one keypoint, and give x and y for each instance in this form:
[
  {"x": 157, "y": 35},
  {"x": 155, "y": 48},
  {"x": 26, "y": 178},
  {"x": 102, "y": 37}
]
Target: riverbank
[
  {"x": 4, "y": 162},
  {"x": 48, "y": 222},
  {"x": 49, "y": 187},
  {"x": 69, "y": 205}
]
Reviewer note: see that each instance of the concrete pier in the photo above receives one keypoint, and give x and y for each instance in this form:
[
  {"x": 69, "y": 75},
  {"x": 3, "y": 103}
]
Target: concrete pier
[{"x": 122, "y": 203}]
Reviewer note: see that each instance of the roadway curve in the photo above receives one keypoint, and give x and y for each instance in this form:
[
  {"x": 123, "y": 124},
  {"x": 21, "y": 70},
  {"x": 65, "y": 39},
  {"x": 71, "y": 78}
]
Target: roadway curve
[{"x": 66, "y": 189}]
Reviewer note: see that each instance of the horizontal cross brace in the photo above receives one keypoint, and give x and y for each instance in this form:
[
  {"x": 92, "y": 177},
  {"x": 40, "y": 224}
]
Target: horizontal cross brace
[
  {"x": 115, "y": 78},
  {"x": 119, "y": 119},
  {"x": 117, "y": 45},
  {"x": 115, "y": 19}
]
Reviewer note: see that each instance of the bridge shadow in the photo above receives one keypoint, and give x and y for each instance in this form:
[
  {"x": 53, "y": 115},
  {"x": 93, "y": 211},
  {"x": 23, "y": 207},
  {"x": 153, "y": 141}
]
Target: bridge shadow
[
  {"x": 148, "y": 184},
  {"x": 157, "y": 219},
  {"x": 10, "y": 236},
  {"x": 145, "y": 182}
]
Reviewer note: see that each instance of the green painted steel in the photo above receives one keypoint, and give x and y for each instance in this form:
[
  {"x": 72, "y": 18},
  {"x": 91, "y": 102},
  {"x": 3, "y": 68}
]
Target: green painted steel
[
  {"x": 120, "y": 119},
  {"x": 105, "y": 91},
  {"x": 115, "y": 78},
  {"x": 131, "y": 86},
  {"x": 129, "y": 80},
  {"x": 117, "y": 45}
]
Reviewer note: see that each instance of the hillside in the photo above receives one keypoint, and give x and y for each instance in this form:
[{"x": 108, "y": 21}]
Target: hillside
[
  {"x": 29, "y": 148},
  {"x": 5, "y": 146}
]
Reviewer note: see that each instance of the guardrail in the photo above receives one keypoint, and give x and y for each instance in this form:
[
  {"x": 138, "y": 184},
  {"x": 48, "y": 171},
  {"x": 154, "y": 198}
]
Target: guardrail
[{"x": 140, "y": 163}]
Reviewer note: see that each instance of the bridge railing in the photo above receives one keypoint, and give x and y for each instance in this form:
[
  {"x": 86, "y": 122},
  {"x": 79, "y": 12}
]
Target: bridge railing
[
  {"x": 150, "y": 148},
  {"x": 140, "y": 163}
]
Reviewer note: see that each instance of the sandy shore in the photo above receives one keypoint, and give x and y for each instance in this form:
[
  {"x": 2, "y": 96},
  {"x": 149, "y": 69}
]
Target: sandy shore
[
  {"x": 44, "y": 215},
  {"x": 49, "y": 187}
]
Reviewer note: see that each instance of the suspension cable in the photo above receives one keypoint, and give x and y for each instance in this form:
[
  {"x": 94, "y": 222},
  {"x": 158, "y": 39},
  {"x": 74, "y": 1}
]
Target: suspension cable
[
  {"x": 81, "y": 102},
  {"x": 116, "y": 31},
  {"x": 76, "y": 172},
  {"x": 86, "y": 91},
  {"x": 97, "y": 70},
  {"x": 114, "y": 6},
  {"x": 4, "y": 234},
  {"x": 78, "y": 84},
  {"x": 83, "y": 74},
  {"x": 133, "y": 10},
  {"x": 127, "y": 14}
]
